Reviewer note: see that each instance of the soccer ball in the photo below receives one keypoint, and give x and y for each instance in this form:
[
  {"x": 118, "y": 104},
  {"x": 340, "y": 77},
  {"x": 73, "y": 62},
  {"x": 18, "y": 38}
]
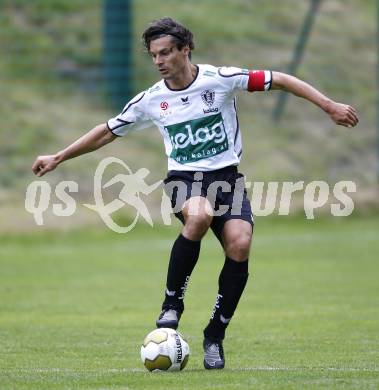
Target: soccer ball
[{"x": 164, "y": 349}]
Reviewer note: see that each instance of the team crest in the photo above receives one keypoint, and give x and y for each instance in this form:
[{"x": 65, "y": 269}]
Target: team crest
[{"x": 208, "y": 97}]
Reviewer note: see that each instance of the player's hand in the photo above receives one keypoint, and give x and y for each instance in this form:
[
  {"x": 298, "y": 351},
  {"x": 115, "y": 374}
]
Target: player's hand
[
  {"x": 44, "y": 164},
  {"x": 343, "y": 114}
]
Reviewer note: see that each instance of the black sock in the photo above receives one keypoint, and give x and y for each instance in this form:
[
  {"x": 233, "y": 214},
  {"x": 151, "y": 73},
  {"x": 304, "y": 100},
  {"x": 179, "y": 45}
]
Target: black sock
[
  {"x": 231, "y": 283},
  {"x": 184, "y": 255}
]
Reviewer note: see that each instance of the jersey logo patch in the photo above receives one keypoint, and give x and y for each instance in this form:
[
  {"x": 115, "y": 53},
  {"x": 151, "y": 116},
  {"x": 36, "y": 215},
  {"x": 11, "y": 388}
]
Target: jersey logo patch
[
  {"x": 208, "y": 97},
  {"x": 185, "y": 100},
  {"x": 164, "y": 106},
  {"x": 198, "y": 139}
]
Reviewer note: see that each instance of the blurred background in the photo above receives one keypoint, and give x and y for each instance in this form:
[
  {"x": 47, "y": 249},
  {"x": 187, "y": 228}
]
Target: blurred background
[{"x": 67, "y": 65}]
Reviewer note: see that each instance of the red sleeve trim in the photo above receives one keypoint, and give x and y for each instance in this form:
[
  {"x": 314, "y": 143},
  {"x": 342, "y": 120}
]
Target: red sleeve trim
[{"x": 256, "y": 81}]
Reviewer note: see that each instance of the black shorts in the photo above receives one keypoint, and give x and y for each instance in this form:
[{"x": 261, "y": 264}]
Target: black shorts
[{"x": 224, "y": 188}]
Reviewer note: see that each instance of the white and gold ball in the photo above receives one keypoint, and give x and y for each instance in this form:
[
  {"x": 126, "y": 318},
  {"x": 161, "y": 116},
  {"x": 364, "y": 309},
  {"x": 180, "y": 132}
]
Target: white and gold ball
[{"x": 164, "y": 349}]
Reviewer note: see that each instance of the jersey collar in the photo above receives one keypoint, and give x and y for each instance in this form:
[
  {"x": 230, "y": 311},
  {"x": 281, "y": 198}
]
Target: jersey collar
[{"x": 182, "y": 89}]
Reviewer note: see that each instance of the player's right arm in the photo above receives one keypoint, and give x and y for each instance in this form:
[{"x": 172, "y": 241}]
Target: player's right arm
[{"x": 99, "y": 136}]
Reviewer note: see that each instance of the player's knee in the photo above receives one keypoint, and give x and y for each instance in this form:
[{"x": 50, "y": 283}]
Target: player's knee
[
  {"x": 238, "y": 247},
  {"x": 196, "y": 226},
  {"x": 202, "y": 221}
]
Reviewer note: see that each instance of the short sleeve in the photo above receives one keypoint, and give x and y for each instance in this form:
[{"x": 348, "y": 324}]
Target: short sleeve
[
  {"x": 246, "y": 80},
  {"x": 133, "y": 117}
]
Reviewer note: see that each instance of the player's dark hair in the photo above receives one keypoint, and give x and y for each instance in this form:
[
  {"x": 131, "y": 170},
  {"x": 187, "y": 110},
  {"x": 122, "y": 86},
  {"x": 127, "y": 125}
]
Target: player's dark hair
[{"x": 180, "y": 35}]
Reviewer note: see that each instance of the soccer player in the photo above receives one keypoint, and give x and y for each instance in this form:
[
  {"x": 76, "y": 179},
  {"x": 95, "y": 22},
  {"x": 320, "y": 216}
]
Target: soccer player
[{"x": 194, "y": 108}]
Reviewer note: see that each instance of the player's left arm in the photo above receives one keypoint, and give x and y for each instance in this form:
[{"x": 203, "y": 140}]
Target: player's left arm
[{"x": 341, "y": 114}]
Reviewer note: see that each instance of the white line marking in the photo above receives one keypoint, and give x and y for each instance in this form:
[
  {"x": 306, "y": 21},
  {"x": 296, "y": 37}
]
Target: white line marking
[{"x": 133, "y": 370}]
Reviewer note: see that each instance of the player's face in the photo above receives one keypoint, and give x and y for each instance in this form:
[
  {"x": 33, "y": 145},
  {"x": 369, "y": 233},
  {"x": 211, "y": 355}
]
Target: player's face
[{"x": 167, "y": 58}]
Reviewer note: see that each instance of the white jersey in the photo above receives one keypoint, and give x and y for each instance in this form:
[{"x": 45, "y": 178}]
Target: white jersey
[{"x": 199, "y": 123}]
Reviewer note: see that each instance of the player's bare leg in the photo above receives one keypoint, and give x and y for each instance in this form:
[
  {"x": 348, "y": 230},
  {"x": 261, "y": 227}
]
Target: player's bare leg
[
  {"x": 197, "y": 213},
  {"x": 236, "y": 239}
]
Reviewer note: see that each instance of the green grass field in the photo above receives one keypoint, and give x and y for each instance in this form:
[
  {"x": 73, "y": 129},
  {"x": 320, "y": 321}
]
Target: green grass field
[{"x": 75, "y": 307}]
